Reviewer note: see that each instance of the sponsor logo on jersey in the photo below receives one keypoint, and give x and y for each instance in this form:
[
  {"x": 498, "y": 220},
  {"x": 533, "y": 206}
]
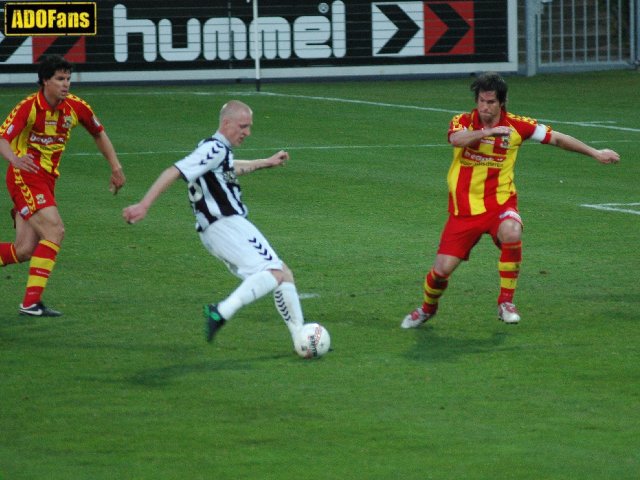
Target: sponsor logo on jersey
[
  {"x": 45, "y": 139},
  {"x": 477, "y": 157}
]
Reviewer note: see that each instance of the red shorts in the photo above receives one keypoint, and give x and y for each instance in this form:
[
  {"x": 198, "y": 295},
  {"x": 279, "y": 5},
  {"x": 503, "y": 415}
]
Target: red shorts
[
  {"x": 30, "y": 192},
  {"x": 461, "y": 234}
]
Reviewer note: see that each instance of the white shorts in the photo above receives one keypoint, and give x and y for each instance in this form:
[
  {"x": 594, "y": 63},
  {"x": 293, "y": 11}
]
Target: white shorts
[{"x": 240, "y": 245}]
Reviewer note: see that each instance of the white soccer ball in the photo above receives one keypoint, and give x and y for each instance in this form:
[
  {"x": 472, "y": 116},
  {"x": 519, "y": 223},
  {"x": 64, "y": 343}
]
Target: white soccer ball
[{"x": 312, "y": 341}]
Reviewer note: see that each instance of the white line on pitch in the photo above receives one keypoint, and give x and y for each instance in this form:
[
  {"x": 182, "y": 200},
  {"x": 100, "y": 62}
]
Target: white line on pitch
[
  {"x": 289, "y": 148},
  {"x": 304, "y": 296},
  {"x": 597, "y": 124},
  {"x": 593, "y": 123},
  {"x": 614, "y": 207}
]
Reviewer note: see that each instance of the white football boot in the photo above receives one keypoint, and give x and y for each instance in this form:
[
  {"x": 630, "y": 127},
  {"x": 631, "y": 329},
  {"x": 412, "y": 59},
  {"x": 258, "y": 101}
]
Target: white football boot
[
  {"x": 416, "y": 318},
  {"x": 508, "y": 313}
]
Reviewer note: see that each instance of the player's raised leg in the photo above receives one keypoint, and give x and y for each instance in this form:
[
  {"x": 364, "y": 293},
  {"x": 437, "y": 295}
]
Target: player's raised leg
[{"x": 252, "y": 288}]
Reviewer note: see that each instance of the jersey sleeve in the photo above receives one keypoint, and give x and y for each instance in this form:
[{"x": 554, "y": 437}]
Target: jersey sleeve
[
  {"x": 541, "y": 134},
  {"x": 85, "y": 115},
  {"x": 207, "y": 156},
  {"x": 17, "y": 120},
  {"x": 529, "y": 128}
]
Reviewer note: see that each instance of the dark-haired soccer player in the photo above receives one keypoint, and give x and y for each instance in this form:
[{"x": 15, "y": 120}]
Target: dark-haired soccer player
[
  {"x": 33, "y": 138},
  {"x": 482, "y": 194}
]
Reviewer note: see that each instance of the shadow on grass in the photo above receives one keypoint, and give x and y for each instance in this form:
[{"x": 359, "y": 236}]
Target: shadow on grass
[
  {"x": 13, "y": 325},
  {"x": 432, "y": 347},
  {"x": 161, "y": 376}
]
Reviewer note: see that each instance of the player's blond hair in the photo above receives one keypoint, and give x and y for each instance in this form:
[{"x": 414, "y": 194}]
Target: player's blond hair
[{"x": 232, "y": 108}]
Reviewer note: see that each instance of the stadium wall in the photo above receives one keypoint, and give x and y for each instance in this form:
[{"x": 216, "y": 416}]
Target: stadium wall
[{"x": 192, "y": 40}]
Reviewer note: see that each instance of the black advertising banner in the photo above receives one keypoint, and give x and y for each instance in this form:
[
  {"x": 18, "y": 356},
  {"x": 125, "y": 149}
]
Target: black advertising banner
[{"x": 156, "y": 40}]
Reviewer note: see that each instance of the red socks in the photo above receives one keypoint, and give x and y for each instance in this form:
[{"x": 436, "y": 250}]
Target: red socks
[
  {"x": 42, "y": 262},
  {"x": 509, "y": 268}
]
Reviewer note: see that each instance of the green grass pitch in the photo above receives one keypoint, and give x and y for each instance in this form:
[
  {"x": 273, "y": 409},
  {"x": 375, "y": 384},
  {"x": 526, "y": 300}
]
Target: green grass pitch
[{"x": 123, "y": 386}]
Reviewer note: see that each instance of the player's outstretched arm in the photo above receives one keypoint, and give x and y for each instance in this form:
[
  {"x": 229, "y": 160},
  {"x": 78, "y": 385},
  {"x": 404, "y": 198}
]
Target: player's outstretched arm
[
  {"x": 567, "y": 142},
  {"x": 247, "y": 166},
  {"x": 136, "y": 212},
  {"x": 117, "y": 180}
]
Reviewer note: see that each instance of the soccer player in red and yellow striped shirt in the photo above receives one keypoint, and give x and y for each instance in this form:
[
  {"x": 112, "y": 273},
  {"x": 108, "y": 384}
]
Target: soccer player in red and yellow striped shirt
[
  {"x": 482, "y": 192},
  {"x": 33, "y": 138}
]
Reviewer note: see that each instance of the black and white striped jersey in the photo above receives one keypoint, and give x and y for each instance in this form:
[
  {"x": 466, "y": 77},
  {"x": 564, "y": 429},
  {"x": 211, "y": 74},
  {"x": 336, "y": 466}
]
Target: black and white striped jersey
[{"x": 214, "y": 191}]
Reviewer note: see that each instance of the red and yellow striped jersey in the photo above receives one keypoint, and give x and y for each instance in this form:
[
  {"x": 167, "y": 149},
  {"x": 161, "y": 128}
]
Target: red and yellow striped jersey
[
  {"x": 481, "y": 175},
  {"x": 33, "y": 127}
]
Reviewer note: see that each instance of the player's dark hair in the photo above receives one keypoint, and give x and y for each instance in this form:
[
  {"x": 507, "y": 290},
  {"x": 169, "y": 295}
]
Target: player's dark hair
[
  {"x": 490, "y": 82},
  {"x": 50, "y": 64}
]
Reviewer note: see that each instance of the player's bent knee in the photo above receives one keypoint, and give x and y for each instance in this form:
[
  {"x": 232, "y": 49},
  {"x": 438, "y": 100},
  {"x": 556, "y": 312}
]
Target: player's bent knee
[
  {"x": 25, "y": 245},
  {"x": 510, "y": 231},
  {"x": 284, "y": 275},
  {"x": 288, "y": 274}
]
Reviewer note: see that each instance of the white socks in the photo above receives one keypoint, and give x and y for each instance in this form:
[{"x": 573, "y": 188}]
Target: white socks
[
  {"x": 251, "y": 289},
  {"x": 256, "y": 286},
  {"x": 288, "y": 305}
]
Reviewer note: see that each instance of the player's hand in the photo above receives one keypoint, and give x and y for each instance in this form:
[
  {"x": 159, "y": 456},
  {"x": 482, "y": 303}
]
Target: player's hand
[
  {"x": 134, "y": 213},
  {"x": 277, "y": 159},
  {"x": 25, "y": 163},
  {"x": 608, "y": 156},
  {"x": 501, "y": 131},
  {"x": 117, "y": 180}
]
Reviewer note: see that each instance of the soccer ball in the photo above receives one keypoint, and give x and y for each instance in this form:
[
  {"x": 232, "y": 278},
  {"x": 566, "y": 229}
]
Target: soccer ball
[{"x": 312, "y": 341}]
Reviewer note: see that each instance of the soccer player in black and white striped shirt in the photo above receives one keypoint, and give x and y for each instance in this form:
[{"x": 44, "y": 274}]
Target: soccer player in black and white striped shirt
[{"x": 215, "y": 195}]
